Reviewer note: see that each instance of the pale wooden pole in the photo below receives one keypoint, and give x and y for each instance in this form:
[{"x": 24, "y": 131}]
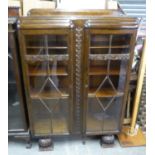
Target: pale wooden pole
[
  {"x": 21, "y": 7},
  {"x": 141, "y": 74}
]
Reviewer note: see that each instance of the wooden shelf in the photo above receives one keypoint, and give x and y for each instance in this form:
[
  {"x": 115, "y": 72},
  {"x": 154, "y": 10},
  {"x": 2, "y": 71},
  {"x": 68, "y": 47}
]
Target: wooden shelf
[
  {"x": 57, "y": 47},
  {"x": 104, "y": 93},
  {"x": 49, "y": 47},
  {"x": 96, "y": 47},
  {"x": 103, "y": 71},
  {"x": 60, "y": 71},
  {"x": 48, "y": 95}
]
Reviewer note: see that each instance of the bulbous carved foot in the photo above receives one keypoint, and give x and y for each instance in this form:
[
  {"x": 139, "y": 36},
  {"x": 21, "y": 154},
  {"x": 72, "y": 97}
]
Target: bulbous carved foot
[
  {"x": 45, "y": 144},
  {"x": 29, "y": 145},
  {"x": 107, "y": 140},
  {"x": 83, "y": 141}
]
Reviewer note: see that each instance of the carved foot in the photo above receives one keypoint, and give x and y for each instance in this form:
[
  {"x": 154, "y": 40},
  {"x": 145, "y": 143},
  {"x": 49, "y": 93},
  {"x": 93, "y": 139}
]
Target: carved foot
[
  {"x": 45, "y": 144},
  {"x": 83, "y": 141},
  {"x": 29, "y": 144},
  {"x": 107, "y": 141}
]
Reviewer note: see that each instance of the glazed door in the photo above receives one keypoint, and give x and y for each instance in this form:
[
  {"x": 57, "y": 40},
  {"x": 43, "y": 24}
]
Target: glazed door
[
  {"x": 48, "y": 78},
  {"x": 107, "y": 69}
]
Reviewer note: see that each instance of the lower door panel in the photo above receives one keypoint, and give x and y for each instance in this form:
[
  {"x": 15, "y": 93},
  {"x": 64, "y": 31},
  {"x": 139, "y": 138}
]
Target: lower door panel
[
  {"x": 50, "y": 116},
  {"x": 103, "y": 114}
]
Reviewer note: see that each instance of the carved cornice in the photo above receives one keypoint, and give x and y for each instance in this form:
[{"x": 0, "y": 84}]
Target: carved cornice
[{"x": 109, "y": 56}]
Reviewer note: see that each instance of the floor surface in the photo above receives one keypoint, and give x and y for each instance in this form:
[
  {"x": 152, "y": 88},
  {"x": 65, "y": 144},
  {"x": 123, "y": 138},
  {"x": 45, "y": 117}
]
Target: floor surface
[{"x": 65, "y": 146}]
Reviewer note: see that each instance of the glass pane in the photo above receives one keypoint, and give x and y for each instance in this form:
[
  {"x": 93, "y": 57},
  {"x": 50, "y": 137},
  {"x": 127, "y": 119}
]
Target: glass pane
[
  {"x": 46, "y": 44},
  {"x": 15, "y": 121},
  {"x": 50, "y": 116},
  {"x": 33, "y": 40},
  {"x": 106, "y": 50},
  {"x": 57, "y": 40},
  {"x": 107, "y": 79},
  {"x": 117, "y": 39},
  {"x": 121, "y": 39},
  {"x": 49, "y": 87},
  {"x": 99, "y": 40},
  {"x": 57, "y": 51},
  {"x": 94, "y": 124},
  {"x": 109, "y": 56},
  {"x": 41, "y": 68},
  {"x": 112, "y": 114},
  {"x": 118, "y": 44},
  {"x": 49, "y": 84},
  {"x": 49, "y": 79},
  {"x": 103, "y": 114}
]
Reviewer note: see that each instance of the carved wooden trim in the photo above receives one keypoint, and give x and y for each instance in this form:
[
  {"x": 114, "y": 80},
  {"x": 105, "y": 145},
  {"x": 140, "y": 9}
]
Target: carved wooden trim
[
  {"x": 78, "y": 40},
  {"x": 109, "y": 56},
  {"x": 34, "y": 58}
]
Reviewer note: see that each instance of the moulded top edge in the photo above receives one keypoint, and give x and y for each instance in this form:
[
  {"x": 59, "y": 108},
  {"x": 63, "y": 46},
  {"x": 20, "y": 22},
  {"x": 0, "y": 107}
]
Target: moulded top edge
[
  {"x": 68, "y": 21},
  {"x": 86, "y": 12},
  {"x": 65, "y": 19}
]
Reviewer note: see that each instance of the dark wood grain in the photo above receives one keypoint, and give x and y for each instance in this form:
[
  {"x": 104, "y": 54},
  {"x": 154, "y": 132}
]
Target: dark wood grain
[{"x": 85, "y": 71}]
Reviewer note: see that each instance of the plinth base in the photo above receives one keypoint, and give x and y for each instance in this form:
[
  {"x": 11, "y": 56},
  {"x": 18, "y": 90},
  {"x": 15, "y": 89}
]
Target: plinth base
[{"x": 127, "y": 140}]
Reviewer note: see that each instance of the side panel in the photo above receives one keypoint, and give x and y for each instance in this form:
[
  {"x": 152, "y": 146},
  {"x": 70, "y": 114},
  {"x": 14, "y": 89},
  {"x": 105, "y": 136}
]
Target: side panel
[{"x": 17, "y": 121}]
